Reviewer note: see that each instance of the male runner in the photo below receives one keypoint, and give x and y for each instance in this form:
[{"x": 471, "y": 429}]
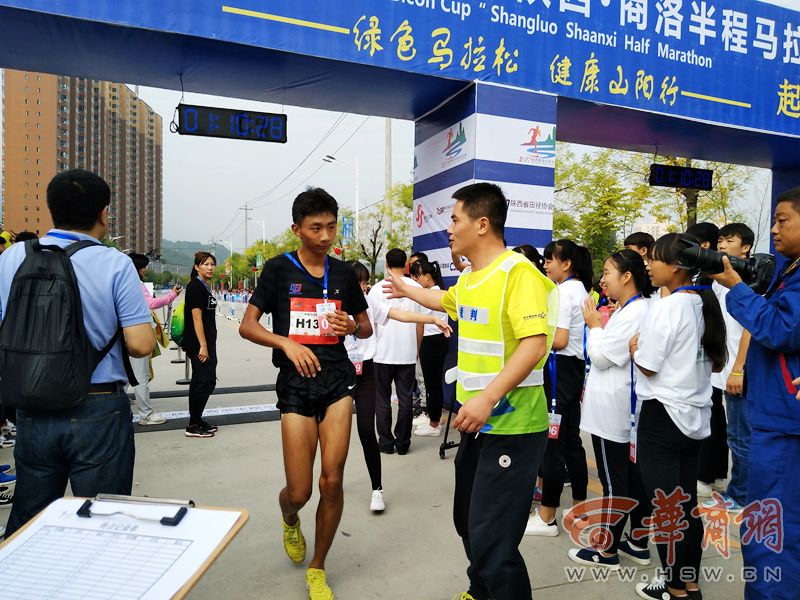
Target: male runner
[
  {"x": 311, "y": 297},
  {"x": 506, "y": 311}
]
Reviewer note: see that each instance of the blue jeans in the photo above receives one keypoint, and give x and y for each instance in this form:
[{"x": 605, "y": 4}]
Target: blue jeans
[
  {"x": 739, "y": 443},
  {"x": 91, "y": 446}
]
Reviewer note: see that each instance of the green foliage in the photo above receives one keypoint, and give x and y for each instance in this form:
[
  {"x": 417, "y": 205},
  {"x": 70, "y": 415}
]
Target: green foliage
[{"x": 602, "y": 195}]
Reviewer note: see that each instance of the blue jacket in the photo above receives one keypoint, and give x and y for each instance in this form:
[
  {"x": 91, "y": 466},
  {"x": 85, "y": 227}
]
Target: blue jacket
[{"x": 773, "y": 359}]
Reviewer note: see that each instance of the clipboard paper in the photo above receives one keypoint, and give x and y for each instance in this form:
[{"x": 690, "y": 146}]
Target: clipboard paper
[{"x": 127, "y": 556}]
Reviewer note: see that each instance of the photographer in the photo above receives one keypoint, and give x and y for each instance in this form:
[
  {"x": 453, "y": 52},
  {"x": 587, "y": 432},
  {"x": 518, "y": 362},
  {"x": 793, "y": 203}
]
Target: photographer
[{"x": 773, "y": 362}]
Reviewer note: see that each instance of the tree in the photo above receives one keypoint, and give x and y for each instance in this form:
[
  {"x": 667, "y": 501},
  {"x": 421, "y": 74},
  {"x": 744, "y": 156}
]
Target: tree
[
  {"x": 593, "y": 202},
  {"x": 374, "y": 237}
]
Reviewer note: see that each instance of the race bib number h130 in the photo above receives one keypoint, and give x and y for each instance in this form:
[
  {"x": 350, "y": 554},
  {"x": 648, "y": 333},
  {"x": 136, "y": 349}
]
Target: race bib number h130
[{"x": 306, "y": 325}]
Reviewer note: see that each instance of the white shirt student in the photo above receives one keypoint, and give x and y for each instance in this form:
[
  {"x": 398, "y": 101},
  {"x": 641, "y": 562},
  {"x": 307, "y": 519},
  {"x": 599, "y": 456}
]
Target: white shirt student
[
  {"x": 572, "y": 295},
  {"x": 670, "y": 346},
  {"x": 607, "y": 397}
]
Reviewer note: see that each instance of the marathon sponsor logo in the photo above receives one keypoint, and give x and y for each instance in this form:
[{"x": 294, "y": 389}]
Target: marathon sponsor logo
[{"x": 295, "y": 288}]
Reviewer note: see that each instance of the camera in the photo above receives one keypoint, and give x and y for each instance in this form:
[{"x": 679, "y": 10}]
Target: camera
[{"x": 755, "y": 271}]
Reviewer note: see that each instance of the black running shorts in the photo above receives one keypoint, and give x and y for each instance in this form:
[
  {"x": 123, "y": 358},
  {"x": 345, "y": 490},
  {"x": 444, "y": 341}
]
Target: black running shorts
[{"x": 311, "y": 396}]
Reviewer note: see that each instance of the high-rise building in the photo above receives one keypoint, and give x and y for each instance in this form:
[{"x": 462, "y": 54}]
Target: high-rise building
[{"x": 53, "y": 123}]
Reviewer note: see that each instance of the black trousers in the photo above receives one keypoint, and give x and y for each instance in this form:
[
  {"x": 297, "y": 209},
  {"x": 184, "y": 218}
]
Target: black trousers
[
  {"x": 491, "y": 506},
  {"x": 714, "y": 449},
  {"x": 567, "y": 450},
  {"x": 204, "y": 380},
  {"x": 621, "y": 478},
  {"x": 364, "y": 397},
  {"x": 403, "y": 378},
  {"x": 669, "y": 460},
  {"x": 432, "y": 352}
]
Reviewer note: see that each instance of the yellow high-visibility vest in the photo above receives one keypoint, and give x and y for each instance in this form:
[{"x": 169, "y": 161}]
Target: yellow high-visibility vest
[{"x": 485, "y": 338}]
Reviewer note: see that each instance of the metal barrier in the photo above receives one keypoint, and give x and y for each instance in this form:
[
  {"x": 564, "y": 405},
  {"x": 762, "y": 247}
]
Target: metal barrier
[{"x": 234, "y": 311}]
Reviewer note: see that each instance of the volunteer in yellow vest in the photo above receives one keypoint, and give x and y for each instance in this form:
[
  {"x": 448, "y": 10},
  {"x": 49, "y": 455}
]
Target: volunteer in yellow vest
[{"x": 506, "y": 311}]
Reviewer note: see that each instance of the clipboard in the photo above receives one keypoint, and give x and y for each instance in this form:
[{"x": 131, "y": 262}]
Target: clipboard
[{"x": 185, "y": 550}]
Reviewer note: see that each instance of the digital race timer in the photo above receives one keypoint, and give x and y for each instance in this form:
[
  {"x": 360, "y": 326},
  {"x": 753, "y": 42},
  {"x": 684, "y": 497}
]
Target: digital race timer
[
  {"x": 231, "y": 123},
  {"x": 681, "y": 177}
]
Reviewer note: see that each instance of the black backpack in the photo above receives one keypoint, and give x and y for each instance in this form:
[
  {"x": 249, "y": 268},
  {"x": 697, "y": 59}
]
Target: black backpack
[{"x": 46, "y": 358}]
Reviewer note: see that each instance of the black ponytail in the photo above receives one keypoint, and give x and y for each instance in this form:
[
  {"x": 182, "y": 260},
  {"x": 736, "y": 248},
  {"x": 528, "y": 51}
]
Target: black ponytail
[
  {"x": 666, "y": 250},
  {"x": 423, "y": 267},
  {"x": 532, "y": 254},
  {"x": 629, "y": 261},
  {"x": 579, "y": 257}
]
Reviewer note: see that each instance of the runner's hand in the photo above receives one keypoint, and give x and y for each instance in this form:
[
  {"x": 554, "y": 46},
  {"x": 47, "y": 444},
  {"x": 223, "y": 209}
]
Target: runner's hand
[
  {"x": 203, "y": 354},
  {"x": 304, "y": 360},
  {"x": 443, "y": 327},
  {"x": 341, "y": 323},
  {"x": 797, "y": 382},
  {"x": 473, "y": 415},
  {"x": 394, "y": 288}
]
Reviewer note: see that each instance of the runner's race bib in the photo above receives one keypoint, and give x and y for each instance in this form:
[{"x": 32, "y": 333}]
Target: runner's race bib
[{"x": 307, "y": 325}]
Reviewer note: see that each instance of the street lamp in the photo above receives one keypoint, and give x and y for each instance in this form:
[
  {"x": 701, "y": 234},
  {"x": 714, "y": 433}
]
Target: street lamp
[
  {"x": 354, "y": 168},
  {"x": 263, "y": 229}
]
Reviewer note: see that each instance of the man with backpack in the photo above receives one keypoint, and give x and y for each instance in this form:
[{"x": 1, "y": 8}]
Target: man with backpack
[{"x": 72, "y": 311}]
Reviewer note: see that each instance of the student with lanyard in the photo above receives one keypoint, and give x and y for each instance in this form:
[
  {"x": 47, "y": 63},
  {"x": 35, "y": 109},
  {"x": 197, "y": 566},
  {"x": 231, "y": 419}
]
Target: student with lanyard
[
  {"x": 311, "y": 297},
  {"x": 570, "y": 267},
  {"x": 610, "y": 407},
  {"x": 680, "y": 344},
  {"x": 200, "y": 343},
  {"x": 773, "y": 367}
]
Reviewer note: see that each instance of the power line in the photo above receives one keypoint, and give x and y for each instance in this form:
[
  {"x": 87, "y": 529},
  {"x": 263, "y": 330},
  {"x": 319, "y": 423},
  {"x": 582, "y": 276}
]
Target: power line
[
  {"x": 263, "y": 195},
  {"x": 316, "y": 170}
]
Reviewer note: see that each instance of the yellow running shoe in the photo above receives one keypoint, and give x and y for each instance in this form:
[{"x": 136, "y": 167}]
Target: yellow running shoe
[
  {"x": 317, "y": 588},
  {"x": 463, "y": 596},
  {"x": 293, "y": 542}
]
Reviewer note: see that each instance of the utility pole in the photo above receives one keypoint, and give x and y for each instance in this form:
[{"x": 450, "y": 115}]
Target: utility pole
[
  {"x": 246, "y": 218},
  {"x": 387, "y": 169}
]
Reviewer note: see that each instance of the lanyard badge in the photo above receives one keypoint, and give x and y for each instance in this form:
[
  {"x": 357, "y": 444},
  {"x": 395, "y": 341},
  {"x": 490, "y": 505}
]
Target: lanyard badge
[{"x": 553, "y": 417}]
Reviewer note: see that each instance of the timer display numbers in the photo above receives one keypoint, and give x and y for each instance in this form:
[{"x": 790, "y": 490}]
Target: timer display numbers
[
  {"x": 681, "y": 177},
  {"x": 231, "y": 123}
]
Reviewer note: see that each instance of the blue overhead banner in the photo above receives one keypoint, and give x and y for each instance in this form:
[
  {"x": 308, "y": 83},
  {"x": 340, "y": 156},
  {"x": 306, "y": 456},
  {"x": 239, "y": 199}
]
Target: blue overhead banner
[{"x": 734, "y": 62}]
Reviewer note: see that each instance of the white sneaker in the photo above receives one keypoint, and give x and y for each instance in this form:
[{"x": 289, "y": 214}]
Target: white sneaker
[
  {"x": 703, "y": 490},
  {"x": 154, "y": 419},
  {"x": 537, "y": 526},
  {"x": 421, "y": 419},
  {"x": 377, "y": 504},
  {"x": 426, "y": 430},
  {"x": 568, "y": 515}
]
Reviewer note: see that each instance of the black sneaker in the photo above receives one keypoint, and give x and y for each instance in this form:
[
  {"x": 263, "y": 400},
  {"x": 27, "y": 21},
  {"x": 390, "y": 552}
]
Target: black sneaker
[
  {"x": 657, "y": 590},
  {"x": 197, "y": 431},
  {"x": 593, "y": 558},
  {"x": 694, "y": 594},
  {"x": 209, "y": 427},
  {"x": 637, "y": 554}
]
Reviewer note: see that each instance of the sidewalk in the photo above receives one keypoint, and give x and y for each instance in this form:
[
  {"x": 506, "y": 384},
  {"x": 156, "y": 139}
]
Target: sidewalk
[{"x": 410, "y": 551}]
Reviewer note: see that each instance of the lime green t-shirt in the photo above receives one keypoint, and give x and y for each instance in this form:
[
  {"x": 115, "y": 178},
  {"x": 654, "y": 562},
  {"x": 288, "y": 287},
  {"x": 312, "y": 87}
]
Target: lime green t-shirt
[{"x": 502, "y": 305}]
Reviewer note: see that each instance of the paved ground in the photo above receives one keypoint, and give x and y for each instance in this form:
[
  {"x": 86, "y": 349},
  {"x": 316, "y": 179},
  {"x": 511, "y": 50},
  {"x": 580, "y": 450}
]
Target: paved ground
[{"x": 410, "y": 551}]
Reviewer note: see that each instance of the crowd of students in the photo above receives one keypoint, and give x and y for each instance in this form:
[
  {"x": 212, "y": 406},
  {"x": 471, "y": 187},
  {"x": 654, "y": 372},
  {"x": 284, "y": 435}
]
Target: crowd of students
[{"x": 646, "y": 360}]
